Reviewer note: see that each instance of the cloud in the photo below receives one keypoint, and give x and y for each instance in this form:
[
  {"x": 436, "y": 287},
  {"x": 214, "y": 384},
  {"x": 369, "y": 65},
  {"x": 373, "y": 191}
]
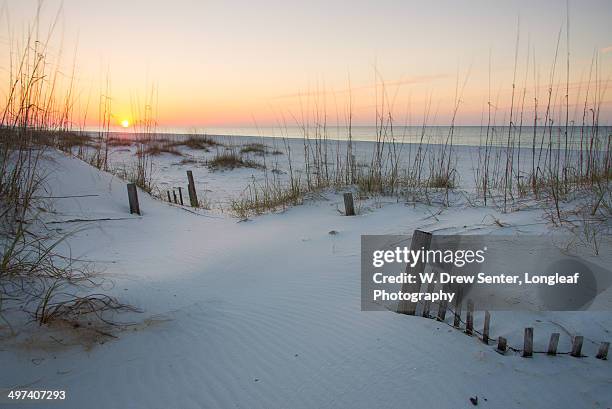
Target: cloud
[{"x": 606, "y": 50}]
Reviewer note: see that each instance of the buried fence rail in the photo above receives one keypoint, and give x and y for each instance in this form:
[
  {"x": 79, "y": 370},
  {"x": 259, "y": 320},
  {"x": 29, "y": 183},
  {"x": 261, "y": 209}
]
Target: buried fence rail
[{"x": 422, "y": 239}]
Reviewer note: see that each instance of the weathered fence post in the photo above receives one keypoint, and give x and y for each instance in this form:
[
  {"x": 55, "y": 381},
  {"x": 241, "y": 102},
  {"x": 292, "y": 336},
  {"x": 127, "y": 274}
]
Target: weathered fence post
[
  {"x": 427, "y": 305},
  {"x": 420, "y": 239},
  {"x": 458, "y": 296},
  {"x": 133, "y": 198},
  {"x": 577, "y": 346},
  {"x": 349, "y": 208},
  {"x": 602, "y": 353},
  {"x": 553, "y": 343},
  {"x": 442, "y": 310},
  {"x": 193, "y": 197},
  {"x": 469, "y": 322},
  {"x": 485, "y": 330},
  {"x": 174, "y": 194},
  {"x": 169, "y": 199},
  {"x": 180, "y": 195},
  {"x": 528, "y": 343},
  {"x": 502, "y": 344}
]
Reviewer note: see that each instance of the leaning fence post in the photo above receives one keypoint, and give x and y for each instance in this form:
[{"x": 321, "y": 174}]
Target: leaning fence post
[
  {"x": 485, "y": 330},
  {"x": 577, "y": 346},
  {"x": 553, "y": 343},
  {"x": 528, "y": 343},
  {"x": 349, "y": 208},
  {"x": 169, "y": 199},
  {"x": 193, "y": 197},
  {"x": 603, "y": 350},
  {"x": 180, "y": 195},
  {"x": 469, "y": 322},
  {"x": 133, "y": 198},
  {"x": 420, "y": 240}
]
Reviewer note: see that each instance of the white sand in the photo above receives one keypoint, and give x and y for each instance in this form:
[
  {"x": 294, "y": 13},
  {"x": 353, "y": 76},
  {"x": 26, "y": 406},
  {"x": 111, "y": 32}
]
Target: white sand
[{"x": 266, "y": 313}]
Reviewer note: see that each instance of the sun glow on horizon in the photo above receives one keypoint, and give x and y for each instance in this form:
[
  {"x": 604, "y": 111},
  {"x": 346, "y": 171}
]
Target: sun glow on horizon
[{"x": 125, "y": 123}]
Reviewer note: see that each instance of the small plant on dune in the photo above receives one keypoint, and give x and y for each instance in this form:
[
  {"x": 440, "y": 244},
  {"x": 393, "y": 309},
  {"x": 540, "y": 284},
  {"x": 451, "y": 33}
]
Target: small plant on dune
[
  {"x": 119, "y": 141},
  {"x": 256, "y": 148},
  {"x": 260, "y": 198},
  {"x": 196, "y": 142},
  {"x": 158, "y": 149},
  {"x": 232, "y": 160}
]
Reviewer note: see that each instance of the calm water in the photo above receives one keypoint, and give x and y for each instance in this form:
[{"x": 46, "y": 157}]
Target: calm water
[{"x": 462, "y": 135}]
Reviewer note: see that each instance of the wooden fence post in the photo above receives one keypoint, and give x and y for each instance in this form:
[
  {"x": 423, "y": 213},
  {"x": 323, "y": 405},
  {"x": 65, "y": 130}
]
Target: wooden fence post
[
  {"x": 133, "y": 198},
  {"x": 528, "y": 343},
  {"x": 457, "y": 321},
  {"x": 193, "y": 197},
  {"x": 485, "y": 330},
  {"x": 502, "y": 344},
  {"x": 603, "y": 350},
  {"x": 180, "y": 195},
  {"x": 349, "y": 208},
  {"x": 427, "y": 305},
  {"x": 174, "y": 194},
  {"x": 169, "y": 199},
  {"x": 469, "y": 322},
  {"x": 420, "y": 239},
  {"x": 442, "y": 310},
  {"x": 577, "y": 346},
  {"x": 553, "y": 343}
]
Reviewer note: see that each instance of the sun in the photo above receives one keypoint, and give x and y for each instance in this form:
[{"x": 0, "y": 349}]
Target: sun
[{"x": 125, "y": 123}]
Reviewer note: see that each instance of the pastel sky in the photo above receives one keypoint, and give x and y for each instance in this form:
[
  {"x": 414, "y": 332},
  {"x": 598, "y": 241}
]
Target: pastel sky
[{"x": 239, "y": 62}]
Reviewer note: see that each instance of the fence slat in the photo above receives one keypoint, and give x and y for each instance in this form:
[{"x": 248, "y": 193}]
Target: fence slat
[
  {"x": 553, "y": 343},
  {"x": 420, "y": 239},
  {"x": 469, "y": 321},
  {"x": 169, "y": 199},
  {"x": 485, "y": 329},
  {"x": 502, "y": 344},
  {"x": 458, "y": 296},
  {"x": 577, "y": 346},
  {"x": 133, "y": 198},
  {"x": 174, "y": 194},
  {"x": 193, "y": 197},
  {"x": 349, "y": 207},
  {"x": 180, "y": 195},
  {"x": 528, "y": 343},
  {"x": 442, "y": 310},
  {"x": 427, "y": 305},
  {"x": 602, "y": 353}
]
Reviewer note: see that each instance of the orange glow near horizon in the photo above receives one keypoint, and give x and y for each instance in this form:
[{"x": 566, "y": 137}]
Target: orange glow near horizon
[{"x": 283, "y": 63}]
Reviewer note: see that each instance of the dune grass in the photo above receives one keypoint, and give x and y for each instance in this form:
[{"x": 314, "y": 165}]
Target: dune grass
[{"x": 231, "y": 160}]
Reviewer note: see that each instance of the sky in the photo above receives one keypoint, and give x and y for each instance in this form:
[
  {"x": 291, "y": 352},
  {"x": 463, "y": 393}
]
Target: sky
[{"x": 243, "y": 63}]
